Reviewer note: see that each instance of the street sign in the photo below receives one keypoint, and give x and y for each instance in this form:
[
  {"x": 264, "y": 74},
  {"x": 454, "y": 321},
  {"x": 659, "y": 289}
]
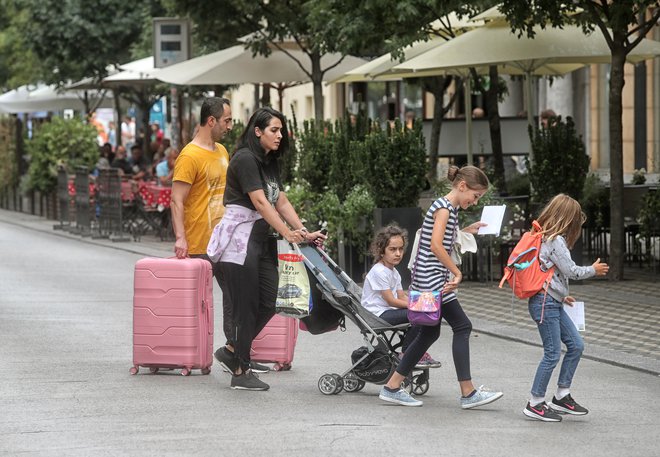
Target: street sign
[{"x": 172, "y": 41}]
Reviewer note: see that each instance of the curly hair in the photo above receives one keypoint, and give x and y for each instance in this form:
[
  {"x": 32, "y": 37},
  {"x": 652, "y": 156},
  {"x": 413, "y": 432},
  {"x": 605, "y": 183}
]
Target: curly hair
[{"x": 382, "y": 240}]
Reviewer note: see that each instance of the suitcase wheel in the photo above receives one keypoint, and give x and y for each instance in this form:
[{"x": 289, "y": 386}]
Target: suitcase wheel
[
  {"x": 185, "y": 372},
  {"x": 153, "y": 370},
  {"x": 206, "y": 370},
  {"x": 134, "y": 370},
  {"x": 282, "y": 367}
]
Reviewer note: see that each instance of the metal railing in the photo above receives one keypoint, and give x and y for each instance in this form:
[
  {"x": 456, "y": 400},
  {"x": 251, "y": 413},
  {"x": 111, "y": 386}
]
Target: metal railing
[
  {"x": 111, "y": 222},
  {"x": 63, "y": 200}
]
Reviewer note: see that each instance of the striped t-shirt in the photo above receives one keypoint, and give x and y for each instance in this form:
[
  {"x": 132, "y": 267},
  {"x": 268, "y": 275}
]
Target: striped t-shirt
[{"x": 429, "y": 273}]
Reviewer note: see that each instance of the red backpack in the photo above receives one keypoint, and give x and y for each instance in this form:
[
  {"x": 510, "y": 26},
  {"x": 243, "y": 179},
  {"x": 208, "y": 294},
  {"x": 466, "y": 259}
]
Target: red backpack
[{"x": 523, "y": 270}]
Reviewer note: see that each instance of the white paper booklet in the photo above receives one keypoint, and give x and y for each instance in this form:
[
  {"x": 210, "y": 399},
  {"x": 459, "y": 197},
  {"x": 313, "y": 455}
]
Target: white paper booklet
[
  {"x": 576, "y": 313},
  {"x": 492, "y": 215}
]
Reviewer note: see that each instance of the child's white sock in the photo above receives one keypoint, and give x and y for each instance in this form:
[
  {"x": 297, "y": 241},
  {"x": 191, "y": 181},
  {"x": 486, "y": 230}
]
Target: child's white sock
[
  {"x": 562, "y": 392},
  {"x": 533, "y": 401}
]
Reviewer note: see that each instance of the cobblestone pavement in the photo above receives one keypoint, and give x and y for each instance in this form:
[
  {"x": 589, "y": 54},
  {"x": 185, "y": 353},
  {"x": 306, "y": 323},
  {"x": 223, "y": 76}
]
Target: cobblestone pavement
[{"x": 622, "y": 316}]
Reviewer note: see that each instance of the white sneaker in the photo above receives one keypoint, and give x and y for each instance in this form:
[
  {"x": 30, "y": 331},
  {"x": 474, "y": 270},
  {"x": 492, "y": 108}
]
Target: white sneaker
[
  {"x": 400, "y": 397},
  {"x": 479, "y": 398}
]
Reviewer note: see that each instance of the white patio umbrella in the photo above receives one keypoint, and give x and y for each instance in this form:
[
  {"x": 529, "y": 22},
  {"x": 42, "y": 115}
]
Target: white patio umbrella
[
  {"x": 381, "y": 67},
  {"x": 498, "y": 45},
  {"x": 237, "y": 65},
  {"x": 91, "y": 82},
  {"x": 11, "y": 99},
  {"x": 43, "y": 98},
  {"x": 137, "y": 72}
]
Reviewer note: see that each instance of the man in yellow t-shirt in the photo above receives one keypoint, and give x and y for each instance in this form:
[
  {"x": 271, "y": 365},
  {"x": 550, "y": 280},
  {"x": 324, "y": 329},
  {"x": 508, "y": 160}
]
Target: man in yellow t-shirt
[
  {"x": 198, "y": 188},
  {"x": 198, "y": 183}
]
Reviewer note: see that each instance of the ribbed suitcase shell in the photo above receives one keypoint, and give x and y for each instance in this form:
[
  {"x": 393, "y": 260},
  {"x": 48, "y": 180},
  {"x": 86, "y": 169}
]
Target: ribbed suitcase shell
[
  {"x": 276, "y": 342},
  {"x": 173, "y": 314}
]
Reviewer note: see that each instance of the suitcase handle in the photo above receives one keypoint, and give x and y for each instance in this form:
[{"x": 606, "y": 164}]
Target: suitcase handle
[{"x": 207, "y": 314}]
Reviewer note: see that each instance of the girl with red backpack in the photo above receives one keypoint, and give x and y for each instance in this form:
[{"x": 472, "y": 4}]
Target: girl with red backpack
[{"x": 561, "y": 221}]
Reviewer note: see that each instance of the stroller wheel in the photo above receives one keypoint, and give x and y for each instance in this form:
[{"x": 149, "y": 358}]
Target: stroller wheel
[
  {"x": 328, "y": 384},
  {"x": 420, "y": 384},
  {"x": 340, "y": 383},
  {"x": 352, "y": 383}
]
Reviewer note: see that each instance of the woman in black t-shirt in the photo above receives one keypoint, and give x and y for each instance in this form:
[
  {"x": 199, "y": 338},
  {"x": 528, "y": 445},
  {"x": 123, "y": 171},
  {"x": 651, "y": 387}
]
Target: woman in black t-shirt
[{"x": 253, "y": 182}]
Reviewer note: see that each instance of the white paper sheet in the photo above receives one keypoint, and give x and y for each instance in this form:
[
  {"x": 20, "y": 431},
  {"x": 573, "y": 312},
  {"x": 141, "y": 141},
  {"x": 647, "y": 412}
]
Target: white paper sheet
[
  {"x": 576, "y": 313},
  {"x": 492, "y": 215}
]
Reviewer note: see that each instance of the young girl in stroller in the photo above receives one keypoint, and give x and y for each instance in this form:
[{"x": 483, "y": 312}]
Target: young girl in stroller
[{"x": 383, "y": 294}]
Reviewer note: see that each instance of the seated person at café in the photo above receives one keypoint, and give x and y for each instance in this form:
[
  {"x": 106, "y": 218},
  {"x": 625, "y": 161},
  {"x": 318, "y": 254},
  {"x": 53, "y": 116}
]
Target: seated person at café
[
  {"x": 138, "y": 163},
  {"x": 121, "y": 162},
  {"x": 165, "y": 169}
]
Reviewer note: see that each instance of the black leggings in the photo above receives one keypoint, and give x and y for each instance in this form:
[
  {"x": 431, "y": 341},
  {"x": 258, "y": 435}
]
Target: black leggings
[
  {"x": 251, "y": 289},
  {"x": 460, "y": 325},
  {"x": 227, "y": 320}
]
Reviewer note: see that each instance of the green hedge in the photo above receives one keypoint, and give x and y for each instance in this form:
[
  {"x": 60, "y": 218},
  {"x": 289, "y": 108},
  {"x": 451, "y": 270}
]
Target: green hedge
[
  {"x": 8, "y": 165},
  {"x": 343, "y": 170},
  {"x": 560, "y": 162},
  {"x": 68, "y": 143}
]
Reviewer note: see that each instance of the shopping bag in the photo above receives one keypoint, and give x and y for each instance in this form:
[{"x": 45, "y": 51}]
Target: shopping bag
[{"x": 293, "y": 297}]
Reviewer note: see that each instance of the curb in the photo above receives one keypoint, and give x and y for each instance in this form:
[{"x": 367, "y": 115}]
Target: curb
[{"x": 596, "y": 353}]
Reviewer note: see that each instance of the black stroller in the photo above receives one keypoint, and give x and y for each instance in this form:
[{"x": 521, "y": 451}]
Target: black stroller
[{"x": 335, "y": 297}]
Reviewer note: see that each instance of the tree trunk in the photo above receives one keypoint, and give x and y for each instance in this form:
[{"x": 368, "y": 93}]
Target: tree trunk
[
  {"x": 495, "y": 129},
  {"x": 616, "y": 162},
  {"x": 117, "y": 99},
  {"x": 265, "y": 94},
  {"x": 317, "y": 81},
  {"x": 437, "y": 85},
  {"x": 438, "y": 92},
  {"x": 145, "y": 110}
]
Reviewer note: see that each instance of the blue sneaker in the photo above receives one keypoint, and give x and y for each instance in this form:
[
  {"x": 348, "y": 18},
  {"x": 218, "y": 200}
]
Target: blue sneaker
[
  {"x": 400, "y": 397},
  {"x": 479, "y": 398}
]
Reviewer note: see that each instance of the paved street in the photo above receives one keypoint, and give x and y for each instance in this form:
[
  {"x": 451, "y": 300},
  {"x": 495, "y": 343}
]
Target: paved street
[{"x": 65, "y": 330}]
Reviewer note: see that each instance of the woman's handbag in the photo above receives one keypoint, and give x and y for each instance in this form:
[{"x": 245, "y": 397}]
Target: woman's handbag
[{"x": 424, "y": 308}]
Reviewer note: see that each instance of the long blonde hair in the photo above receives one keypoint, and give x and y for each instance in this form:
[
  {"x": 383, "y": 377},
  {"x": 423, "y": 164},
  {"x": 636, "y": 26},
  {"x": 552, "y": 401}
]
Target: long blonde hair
[{"x": 562, "y": 216}]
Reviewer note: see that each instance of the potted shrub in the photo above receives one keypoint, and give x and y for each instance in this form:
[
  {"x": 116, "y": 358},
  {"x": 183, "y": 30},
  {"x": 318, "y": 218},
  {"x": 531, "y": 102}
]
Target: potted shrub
[
  {"x": 560, "y": 165},
  {"x": 70, "y": 143}
]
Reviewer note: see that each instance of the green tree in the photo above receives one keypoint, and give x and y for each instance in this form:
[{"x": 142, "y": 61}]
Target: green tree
[
  {"x": 76, "y": 39},
  {"x": 623, "y": 23},
  {"x": 18, "y": 64},
  {"x": 269, "y": 25}
]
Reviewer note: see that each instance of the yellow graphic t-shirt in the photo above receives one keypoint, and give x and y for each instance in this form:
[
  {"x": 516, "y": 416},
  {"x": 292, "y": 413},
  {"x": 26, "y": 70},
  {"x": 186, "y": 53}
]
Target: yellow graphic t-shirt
[{"x": 206, "y": 172}]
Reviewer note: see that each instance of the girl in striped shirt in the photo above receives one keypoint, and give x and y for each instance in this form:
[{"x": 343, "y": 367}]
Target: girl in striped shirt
[{"x": 434, "y": 270}]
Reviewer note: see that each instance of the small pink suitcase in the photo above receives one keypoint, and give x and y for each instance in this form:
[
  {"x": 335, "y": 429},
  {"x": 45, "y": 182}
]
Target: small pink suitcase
[
  {"x": 173, "y": 315},
  {"x": 276, "y": 342}
]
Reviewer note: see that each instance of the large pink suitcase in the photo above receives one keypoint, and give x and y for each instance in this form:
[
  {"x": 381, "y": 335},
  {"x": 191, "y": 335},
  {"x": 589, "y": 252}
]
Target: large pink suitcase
[
  {"x": 276, "y": 342},
  {"x": 173, "y": 315}
]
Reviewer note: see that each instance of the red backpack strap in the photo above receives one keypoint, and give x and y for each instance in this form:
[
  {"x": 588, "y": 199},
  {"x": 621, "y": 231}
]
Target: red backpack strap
[{"x": 536, "y": 227}]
